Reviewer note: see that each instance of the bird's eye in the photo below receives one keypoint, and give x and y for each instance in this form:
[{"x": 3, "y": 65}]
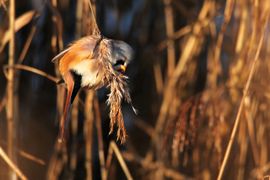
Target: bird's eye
[{"x": 119, "y": 62}]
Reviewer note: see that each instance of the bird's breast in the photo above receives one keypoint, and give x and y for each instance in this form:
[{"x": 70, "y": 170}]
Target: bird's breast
[{"x": 90, "y": 71}]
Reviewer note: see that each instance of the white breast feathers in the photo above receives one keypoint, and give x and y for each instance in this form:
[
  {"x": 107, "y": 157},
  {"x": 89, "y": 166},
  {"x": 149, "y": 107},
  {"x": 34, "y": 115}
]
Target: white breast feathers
[{"x": 89, "y": 71}]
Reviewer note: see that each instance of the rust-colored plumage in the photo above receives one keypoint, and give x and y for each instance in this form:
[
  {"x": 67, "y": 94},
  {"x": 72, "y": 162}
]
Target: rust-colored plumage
[{"x": 92, "y": 62}]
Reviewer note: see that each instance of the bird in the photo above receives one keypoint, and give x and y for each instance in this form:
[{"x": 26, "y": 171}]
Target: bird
[{"x": 90, "y": 62}]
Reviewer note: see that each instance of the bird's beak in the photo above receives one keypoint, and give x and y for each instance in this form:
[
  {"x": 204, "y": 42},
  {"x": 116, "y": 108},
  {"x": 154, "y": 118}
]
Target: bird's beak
[{"x": 121, "y": 68}]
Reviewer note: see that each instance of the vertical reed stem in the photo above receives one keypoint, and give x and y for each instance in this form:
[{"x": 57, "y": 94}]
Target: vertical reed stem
[
  {"x": 100, "y": 141},
  {"x": 10, "y": 88},
  {"x": 168, "y": 11},
  {"x": 88, "y": 133}
]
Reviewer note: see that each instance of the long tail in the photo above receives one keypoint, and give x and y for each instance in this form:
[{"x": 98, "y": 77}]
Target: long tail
[{"x": 73, "y": 83}]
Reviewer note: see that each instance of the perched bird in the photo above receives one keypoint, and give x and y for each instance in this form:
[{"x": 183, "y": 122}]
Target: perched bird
[{"x": 92, "y": 62}]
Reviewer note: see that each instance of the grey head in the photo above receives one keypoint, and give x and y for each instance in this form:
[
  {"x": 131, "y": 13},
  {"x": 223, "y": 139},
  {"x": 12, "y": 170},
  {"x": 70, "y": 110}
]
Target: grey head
[{"x": 121, "y": 55}]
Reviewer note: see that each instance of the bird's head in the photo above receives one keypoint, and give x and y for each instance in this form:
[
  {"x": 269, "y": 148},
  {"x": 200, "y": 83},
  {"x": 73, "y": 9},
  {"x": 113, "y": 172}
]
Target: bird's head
[{"x": 121, "y": 55}]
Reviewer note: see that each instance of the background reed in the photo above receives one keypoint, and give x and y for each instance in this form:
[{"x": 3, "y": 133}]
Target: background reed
[{"x": 199, "y": 79}]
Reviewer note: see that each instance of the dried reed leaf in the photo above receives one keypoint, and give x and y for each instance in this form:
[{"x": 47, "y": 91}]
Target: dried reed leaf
[{"x": 20, "y": 22}]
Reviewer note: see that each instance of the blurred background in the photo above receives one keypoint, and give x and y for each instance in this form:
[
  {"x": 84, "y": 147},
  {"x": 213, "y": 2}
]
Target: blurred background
[{"x": 200, "y": 77}]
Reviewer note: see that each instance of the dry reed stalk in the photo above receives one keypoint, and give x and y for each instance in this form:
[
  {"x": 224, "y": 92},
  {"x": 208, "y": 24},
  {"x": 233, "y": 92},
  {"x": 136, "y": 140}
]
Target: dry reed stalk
[
  {"x": 74, "y": 131},
  {"x": 54, "y": 3},
  {"x": 243, "y": 149},
  {"x": 114, "y": 149},
  {"x": 88, "y": 23},
  {"x": 245, "y": 91},
  {"x": 12, "y": 166},
  {"x": 27, "y": 45},
  {"x": 95, "y": 29},
  {"x": 32, "y": 158},
  {"x": 57, "y": 162},
  {"x": 79, "y": 17},
  {"x": 60, "y": 91},
  {"x": 101, "y": 153},
  {"x": 169, "y": 22},
  {"x": 263, "y": 141},
  {"x": 57, "y": 38},
  {"x": 10, "y": 106},
  {"x": 251, "y": 133},
  {"x": 88, "y": 133},
  {"x": 31, "y": 69},
  {"x": 158, "y": 78},
  {"x": 242, "y": 27}
]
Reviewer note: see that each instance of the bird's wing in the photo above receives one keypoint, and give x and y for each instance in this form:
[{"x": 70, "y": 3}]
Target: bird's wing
[
  {"x": 86, "y": 44},
  {"x": 61, "y": 54},
  {"x": 74, "y": 57},
  {"x": 81, "y": 50}
]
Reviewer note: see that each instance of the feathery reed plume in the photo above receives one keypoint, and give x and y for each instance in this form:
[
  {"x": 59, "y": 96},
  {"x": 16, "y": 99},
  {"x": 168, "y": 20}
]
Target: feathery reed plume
[{"x": 118, "y": 90}]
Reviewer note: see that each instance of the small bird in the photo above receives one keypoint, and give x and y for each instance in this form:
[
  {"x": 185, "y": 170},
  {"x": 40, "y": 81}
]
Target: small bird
[{"x": 91, "y": 62}]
